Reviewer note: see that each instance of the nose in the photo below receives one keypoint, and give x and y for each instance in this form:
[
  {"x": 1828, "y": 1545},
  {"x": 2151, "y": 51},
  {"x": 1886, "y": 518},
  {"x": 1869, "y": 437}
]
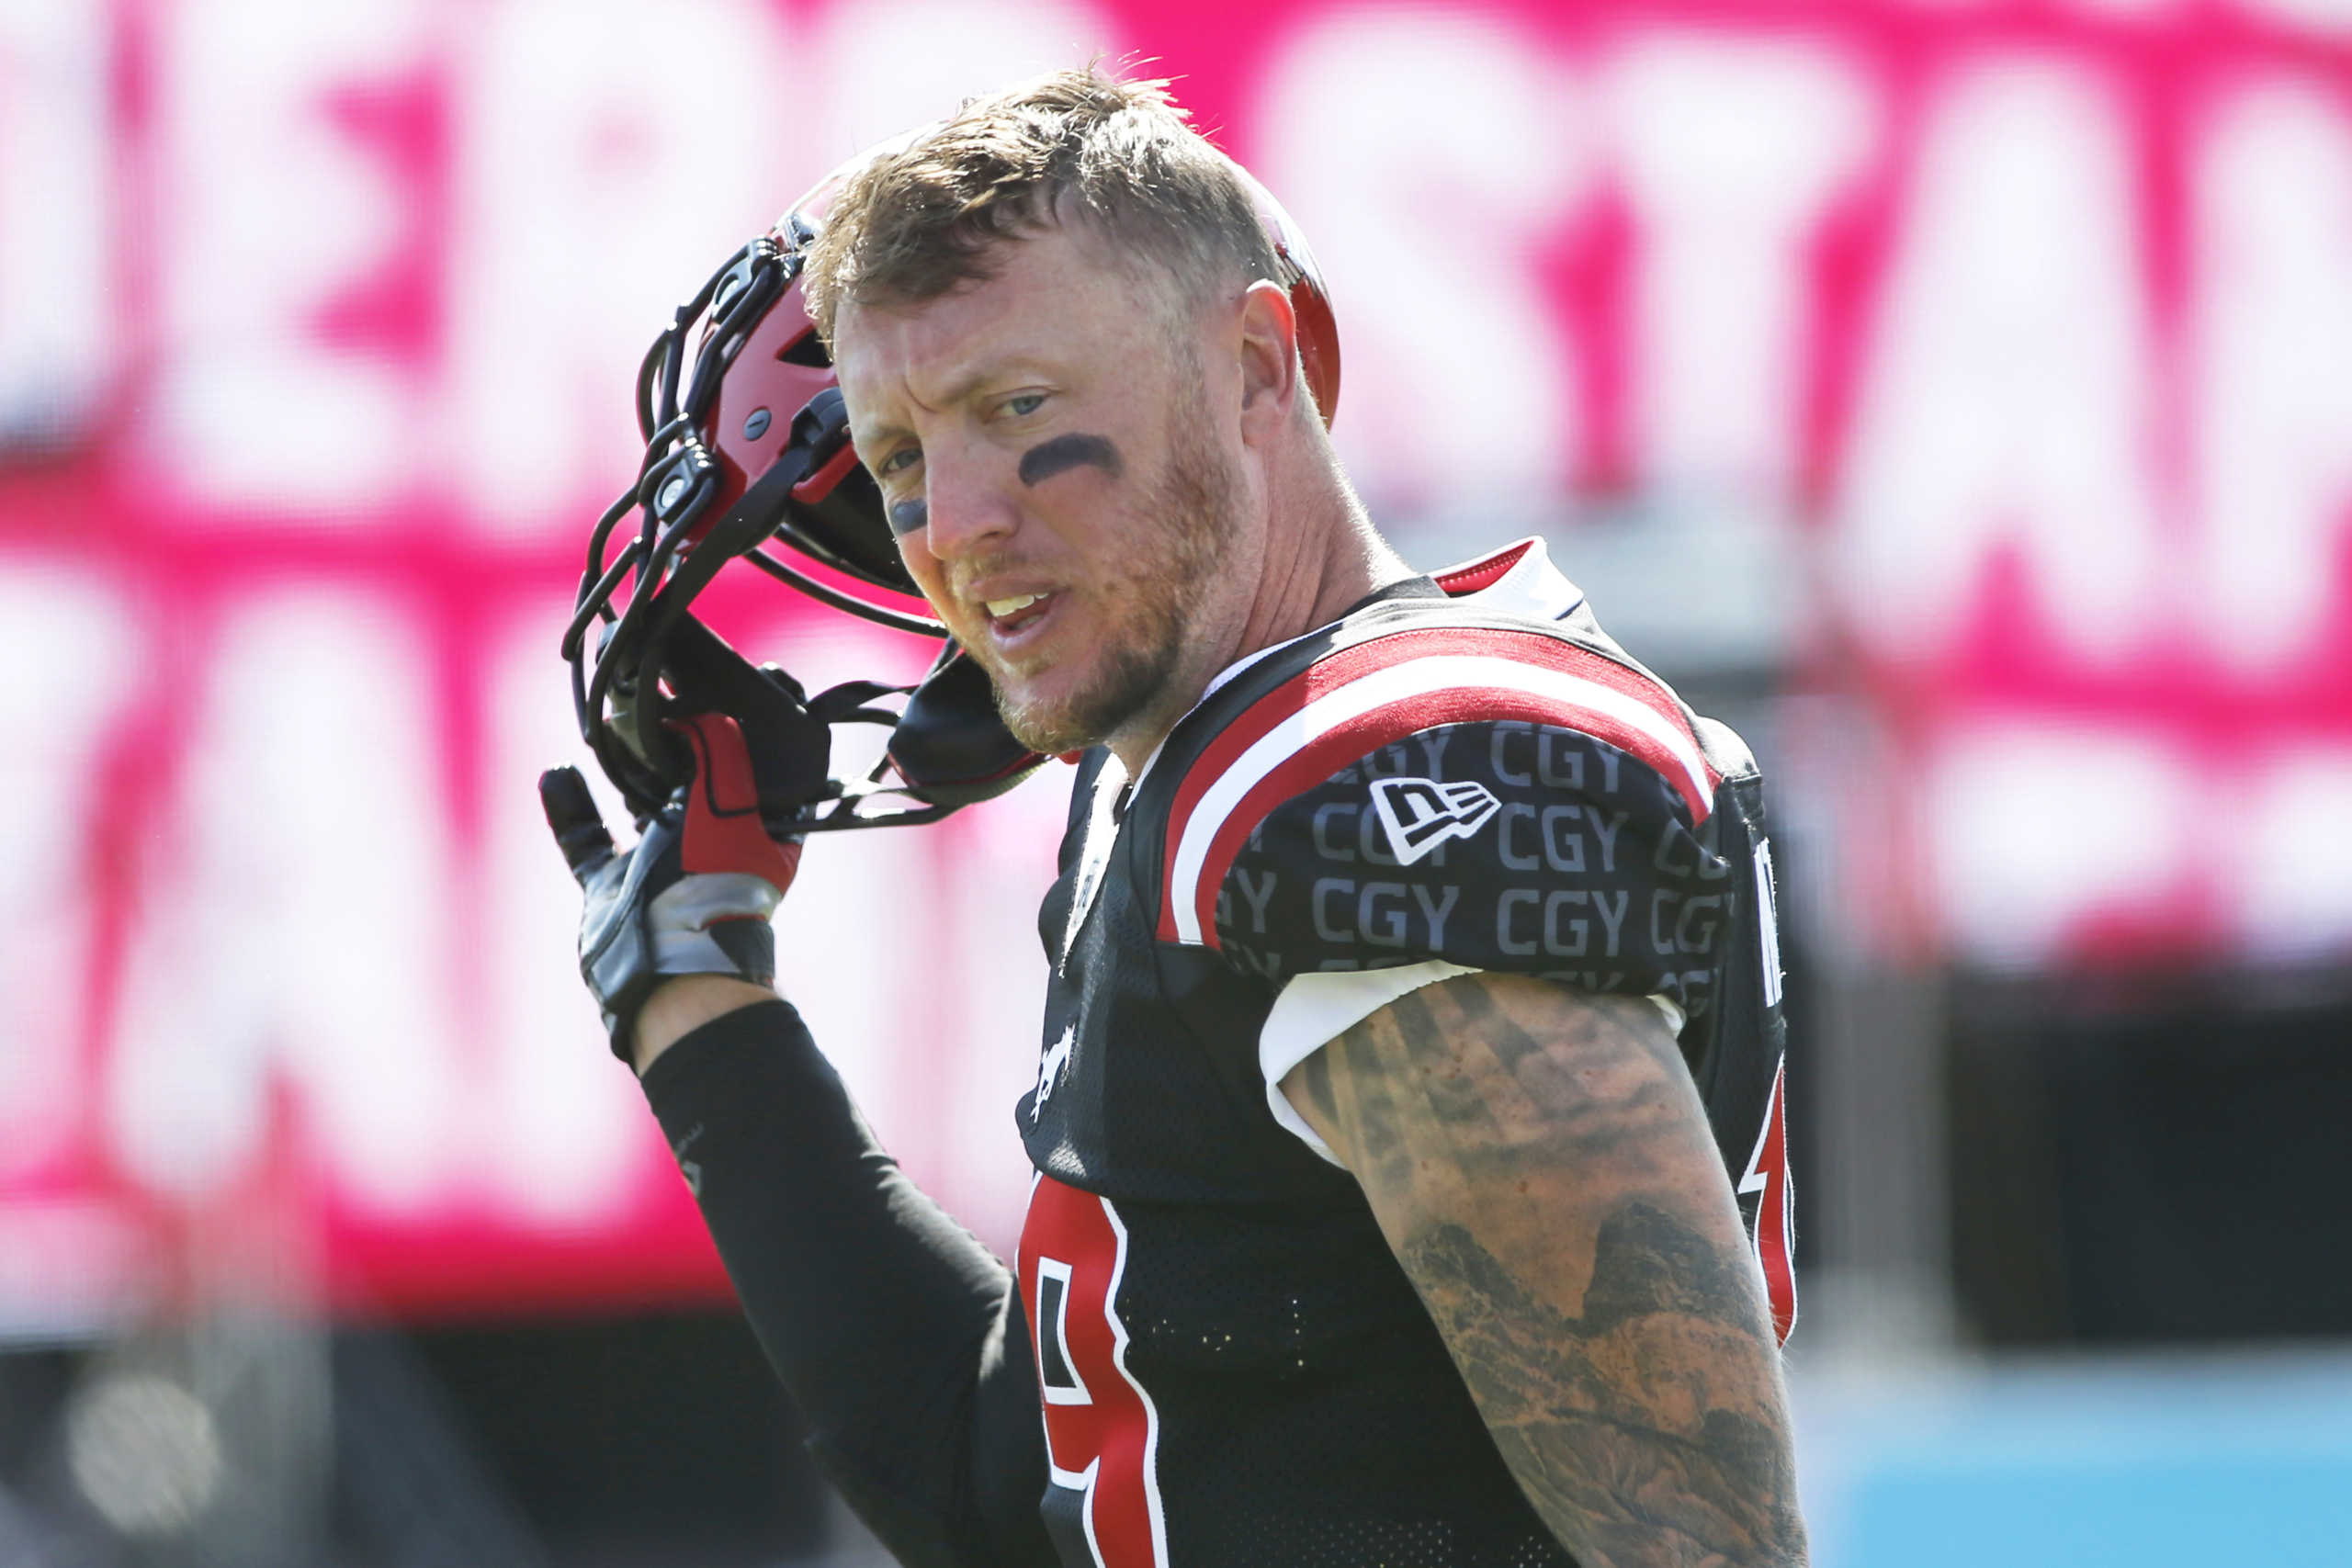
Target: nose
[{"x": 968, "y": 508}]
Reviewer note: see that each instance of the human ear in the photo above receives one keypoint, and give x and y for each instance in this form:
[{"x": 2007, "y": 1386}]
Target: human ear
[{"x": 1270, "y": 384}]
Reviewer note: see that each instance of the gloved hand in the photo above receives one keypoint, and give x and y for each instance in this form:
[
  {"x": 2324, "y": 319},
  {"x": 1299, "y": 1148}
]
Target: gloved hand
[{"x": 693, "y": 896}]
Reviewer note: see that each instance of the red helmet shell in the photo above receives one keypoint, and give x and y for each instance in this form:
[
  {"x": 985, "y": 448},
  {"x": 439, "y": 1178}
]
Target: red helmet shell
[
  {"x": 783, "y": 365},
  {"x": 1310, "y": 299},
  {"x": 780, "y": 367}
]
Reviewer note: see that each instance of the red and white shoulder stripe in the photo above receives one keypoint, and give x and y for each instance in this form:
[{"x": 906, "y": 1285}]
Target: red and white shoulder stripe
[{"x": 1352, "y": 702}]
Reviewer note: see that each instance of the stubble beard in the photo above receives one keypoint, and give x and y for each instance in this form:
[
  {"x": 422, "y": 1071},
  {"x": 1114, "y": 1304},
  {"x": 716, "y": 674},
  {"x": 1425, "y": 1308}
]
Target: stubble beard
[{"x": 1188, "y": 514}]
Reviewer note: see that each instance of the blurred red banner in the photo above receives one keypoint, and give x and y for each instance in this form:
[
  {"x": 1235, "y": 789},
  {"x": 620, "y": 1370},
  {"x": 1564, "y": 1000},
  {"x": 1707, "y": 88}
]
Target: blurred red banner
[{"x": 2025, "y": 331}]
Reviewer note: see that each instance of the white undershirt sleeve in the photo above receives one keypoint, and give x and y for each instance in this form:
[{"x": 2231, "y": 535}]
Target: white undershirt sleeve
[{"x": 1314, "y": 1009}]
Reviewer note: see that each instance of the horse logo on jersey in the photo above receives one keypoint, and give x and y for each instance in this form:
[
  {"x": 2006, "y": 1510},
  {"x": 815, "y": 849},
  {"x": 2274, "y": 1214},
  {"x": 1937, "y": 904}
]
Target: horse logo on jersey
[
  {"x": 1421, "y": 814},
  {"x": 1049, "y": 1069}
]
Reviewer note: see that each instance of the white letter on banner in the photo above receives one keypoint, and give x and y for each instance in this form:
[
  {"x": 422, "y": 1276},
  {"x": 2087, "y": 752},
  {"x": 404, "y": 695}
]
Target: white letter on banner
[
  {"x": 857, "y": 939},
  {"x": 2318, "y": 15},
  {"x": 562, "y": 1131},
  {"x": 2024, "y": 851},
  {"x": 51, "y": 619},
  {"x": 1427, "y": 155},
  {"x": 57, "y": 201},
  {"x": 2292, "y": 858},
  {"x": 298, "y": 926},
  {"x": 990, "y": 862},
  {"x": 269, "y": 213},
  {"x": 855, "y": 942},
  {"x": 612, "y": 156},
  {"x": 2273, "y": 368},
  {"x": 894, "y": 64},
  {"x": 1730, "y": 152},
  {"x": 2005, "y": 401}
]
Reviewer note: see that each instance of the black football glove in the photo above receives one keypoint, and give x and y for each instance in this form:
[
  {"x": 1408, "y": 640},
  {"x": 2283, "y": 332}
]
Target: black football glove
[{"x": 693, "y": 896}]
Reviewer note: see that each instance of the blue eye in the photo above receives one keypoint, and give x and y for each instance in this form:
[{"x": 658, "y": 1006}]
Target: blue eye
[
  {"x": 897, "y": 461},
  {"x": 1024, "y": 403}
]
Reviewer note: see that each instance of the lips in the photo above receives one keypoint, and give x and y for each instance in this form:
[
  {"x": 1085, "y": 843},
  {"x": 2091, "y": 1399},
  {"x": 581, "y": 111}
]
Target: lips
[
  {"x": 1014, "y": 614},
  {"x": 1011, "y": 601}
]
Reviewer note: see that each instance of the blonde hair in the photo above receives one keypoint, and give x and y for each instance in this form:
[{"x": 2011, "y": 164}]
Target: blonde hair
[{"x": 1120, "y": 156}]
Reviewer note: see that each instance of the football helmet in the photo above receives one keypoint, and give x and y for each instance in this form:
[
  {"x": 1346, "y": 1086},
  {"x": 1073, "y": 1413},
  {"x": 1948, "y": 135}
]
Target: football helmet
[{"x": 748, "y": 450}]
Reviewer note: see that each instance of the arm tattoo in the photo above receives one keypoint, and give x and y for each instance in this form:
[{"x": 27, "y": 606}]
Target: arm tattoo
[{"x": 1540, "y": 1164}]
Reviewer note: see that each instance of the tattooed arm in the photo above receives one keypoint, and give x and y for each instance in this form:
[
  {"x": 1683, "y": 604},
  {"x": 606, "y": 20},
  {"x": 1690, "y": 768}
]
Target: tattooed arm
[{"x": 1541, "y": 1165}]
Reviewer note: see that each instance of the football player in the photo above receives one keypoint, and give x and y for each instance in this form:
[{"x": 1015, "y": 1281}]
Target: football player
[{"x": 1408, "y": 1127}]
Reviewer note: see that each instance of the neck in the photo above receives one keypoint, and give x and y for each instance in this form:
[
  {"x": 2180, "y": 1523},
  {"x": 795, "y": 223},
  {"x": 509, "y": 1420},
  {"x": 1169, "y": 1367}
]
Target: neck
[{"x": 1321, "y": 556}]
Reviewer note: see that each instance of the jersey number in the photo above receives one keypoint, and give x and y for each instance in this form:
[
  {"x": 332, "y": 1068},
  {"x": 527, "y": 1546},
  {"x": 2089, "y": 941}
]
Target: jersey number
[
  {"x": 1776, "y": 1215},
  {"x": 1102, "y": 1429}
]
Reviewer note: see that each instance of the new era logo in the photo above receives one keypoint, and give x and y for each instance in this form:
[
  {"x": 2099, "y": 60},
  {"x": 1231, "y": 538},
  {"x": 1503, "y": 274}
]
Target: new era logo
[{"x": 1421, "y": 814}]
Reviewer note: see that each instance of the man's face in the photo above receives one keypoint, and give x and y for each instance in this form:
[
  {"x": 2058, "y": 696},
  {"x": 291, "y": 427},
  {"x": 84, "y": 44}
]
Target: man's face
[{"x": 1046, "y": 455}]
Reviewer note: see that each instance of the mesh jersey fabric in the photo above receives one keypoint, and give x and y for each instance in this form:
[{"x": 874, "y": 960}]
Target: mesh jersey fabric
[{"x": 1235, "y": 1368}]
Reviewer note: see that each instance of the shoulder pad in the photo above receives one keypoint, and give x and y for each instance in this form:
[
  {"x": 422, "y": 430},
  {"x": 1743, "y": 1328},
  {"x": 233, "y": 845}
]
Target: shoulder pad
[{"x": 1346, "y": 707}]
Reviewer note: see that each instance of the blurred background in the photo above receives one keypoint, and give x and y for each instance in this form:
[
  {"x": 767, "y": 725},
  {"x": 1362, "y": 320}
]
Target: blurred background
[{"x": 1956, "y": 395}]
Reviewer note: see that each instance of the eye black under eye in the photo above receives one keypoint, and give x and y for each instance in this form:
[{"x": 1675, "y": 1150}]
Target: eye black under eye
[{"x": 1073, "y": 450}]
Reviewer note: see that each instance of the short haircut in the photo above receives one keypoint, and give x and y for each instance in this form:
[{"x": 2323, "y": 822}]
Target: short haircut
[{"x": 920, "y": 220}]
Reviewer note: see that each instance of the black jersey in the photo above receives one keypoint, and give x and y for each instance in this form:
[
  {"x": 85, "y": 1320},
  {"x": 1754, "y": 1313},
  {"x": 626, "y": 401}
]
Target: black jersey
[{"x": 1461, "y": 774}]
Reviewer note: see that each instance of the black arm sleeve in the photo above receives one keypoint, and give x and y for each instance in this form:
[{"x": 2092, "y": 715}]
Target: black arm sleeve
[{"x": 899, "y": 1338}]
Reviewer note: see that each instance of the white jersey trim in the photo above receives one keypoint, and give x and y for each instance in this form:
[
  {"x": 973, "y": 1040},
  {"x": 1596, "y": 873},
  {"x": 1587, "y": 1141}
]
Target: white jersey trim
[
  {"x": 1153, "y": 1509},
  {"x": 1315, "y": 1009},
  {"x": 1534, "y": 587},
  {"x": 1377, "y": 689},
  {"x": 1094, "y": 850}
]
